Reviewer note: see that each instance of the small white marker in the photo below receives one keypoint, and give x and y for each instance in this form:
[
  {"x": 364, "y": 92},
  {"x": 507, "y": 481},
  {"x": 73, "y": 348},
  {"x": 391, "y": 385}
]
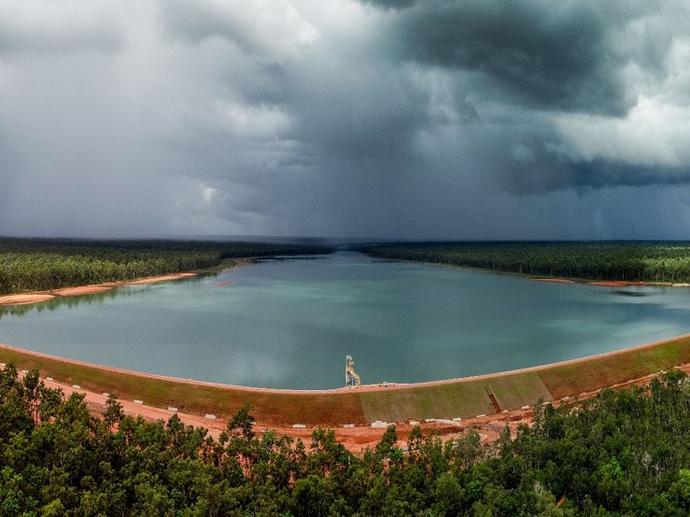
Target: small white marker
[
  {"x": 524, "y": 407},
  {"x": 379, "y": 425},
  {"x": 438, "y": 421},
  {"x": 414, "y": 422},
  {"x": 76, "y": 386},
  {"x": 480, "y": 416},
  {"x": 298, "y": 426},
  {"x": 209, "y": 416},
  {"x": 137, "y": 401},
  {"x": 172, "y": 409},
  {"x": 457, "y": 419},
  {"x": 49, "y": 379},
  {"x": 504, "y": 411},
  {"x": 348, "y": 426}
]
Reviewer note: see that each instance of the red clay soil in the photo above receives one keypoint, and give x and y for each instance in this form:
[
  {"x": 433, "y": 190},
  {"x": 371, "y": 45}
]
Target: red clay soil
[
  {"x": 555, "y": 280},
  {"x": 608, "y": 283},
  {"x": 619, "y": 283},
  {"x": 356, "y": 438}
]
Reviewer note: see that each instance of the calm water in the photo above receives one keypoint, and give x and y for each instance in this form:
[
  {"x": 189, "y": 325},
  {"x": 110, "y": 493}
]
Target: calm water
[{"x": 289, "y": 323}]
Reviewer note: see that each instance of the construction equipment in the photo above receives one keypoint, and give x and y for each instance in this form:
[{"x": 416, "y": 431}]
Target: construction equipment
[{"x": 351, "y": 377}]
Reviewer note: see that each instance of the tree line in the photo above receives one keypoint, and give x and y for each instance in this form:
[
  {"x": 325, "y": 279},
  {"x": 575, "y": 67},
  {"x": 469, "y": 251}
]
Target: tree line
[
  {"x": 630, "y": 261},
  {"x": 623, "y": 453},
  {"x": 41, "y": 264}
]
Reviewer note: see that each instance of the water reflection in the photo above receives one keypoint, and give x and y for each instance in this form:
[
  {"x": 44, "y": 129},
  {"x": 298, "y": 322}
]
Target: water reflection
[{"x": 634, "y": 294}]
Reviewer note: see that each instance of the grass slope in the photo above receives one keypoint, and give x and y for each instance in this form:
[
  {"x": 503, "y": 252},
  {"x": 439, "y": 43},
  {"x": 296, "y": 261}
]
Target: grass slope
[{"x": 464, "y": 398}]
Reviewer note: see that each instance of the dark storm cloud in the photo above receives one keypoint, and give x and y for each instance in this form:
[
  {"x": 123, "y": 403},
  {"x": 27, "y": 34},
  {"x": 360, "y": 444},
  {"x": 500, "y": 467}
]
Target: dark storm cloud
[
  {"x": 432, "y": 119},
  {"x": 566, "y": 56},
  {"x": 529, "y": 60}
]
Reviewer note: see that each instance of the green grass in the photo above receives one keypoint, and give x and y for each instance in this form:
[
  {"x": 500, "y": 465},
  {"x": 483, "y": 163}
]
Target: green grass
[
  {"x": 569, "y": 379},
  {"x": 457, "y": 399}
]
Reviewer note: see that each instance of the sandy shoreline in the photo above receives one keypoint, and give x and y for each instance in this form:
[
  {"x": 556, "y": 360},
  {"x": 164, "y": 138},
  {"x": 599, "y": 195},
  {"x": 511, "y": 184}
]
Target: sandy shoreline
[
  {"x": 44, "y": 296},
  {"x": 608, "y": 283}
]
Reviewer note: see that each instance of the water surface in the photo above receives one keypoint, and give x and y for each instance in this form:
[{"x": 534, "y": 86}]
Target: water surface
[{"x": 290, "y": 323}]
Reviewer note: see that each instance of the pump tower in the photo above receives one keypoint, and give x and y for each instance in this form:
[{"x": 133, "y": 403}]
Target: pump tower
[{"x": 351, "y": 377}]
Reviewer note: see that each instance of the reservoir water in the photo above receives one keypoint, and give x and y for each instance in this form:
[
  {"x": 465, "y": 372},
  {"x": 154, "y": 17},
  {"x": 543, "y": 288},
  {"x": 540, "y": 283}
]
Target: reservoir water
[{"x": 289, "y": 323}]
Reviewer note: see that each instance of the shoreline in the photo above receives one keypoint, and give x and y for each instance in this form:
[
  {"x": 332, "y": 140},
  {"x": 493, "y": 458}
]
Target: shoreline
[
  {"x": 33, "y": 297},
  {"x": 607, "y": 283},
  {"x": 541, "y": 278},
  {"x": 84, "y": 290}
]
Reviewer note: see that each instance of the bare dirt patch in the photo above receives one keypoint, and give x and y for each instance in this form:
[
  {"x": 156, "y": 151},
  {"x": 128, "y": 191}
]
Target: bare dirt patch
[
  {"x": 356, "y": 438},
  {"x": 83, "y": 290},
  {"x": 24, "y": 299},
  {"x": 161, "y": 278}
]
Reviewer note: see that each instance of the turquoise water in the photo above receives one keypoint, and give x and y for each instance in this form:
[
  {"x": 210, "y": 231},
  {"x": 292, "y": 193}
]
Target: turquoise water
[{"x": 290, "y": 323}]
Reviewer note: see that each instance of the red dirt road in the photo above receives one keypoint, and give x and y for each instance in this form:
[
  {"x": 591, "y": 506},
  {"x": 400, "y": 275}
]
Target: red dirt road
[{"x": 356, "y": 438}]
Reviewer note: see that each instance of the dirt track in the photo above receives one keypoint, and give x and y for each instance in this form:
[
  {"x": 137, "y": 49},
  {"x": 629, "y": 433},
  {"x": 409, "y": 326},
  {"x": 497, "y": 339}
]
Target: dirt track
[{"x": 357, "y": 438}]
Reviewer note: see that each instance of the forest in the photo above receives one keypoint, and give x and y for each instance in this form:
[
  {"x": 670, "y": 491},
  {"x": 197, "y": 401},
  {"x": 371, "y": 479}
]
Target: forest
[
  {"x": 41, "y": 264},
  {"x": 623, "y": 453},
  {"x": 617, "y": 260}
]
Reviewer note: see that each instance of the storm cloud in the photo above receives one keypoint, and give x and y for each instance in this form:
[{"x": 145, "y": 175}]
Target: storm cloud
[{"x": 380, "y": 118}]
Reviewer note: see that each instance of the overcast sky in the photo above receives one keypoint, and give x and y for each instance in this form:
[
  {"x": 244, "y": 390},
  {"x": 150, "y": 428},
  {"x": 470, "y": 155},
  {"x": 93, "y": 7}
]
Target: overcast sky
[{"x": 466, "y": 119}]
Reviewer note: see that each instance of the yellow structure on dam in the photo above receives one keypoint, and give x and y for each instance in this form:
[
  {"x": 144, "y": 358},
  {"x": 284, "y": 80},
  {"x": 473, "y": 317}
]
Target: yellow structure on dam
[{"x": 351, "y": 377}]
